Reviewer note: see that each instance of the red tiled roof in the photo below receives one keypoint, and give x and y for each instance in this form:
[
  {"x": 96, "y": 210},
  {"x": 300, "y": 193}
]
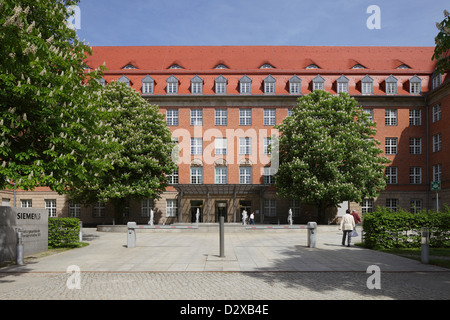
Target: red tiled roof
[{"x": 159, "y": 58}]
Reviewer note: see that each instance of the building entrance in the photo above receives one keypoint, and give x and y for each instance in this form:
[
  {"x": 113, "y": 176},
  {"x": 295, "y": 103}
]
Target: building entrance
[
  {"x": 221, "y": 210},
  {"x": 196, "y": 205},
  {"x": 245, "y": 205}
]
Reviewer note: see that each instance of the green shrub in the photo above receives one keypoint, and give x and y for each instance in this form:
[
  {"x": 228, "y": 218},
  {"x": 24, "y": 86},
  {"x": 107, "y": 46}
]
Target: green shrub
[
  {"x": 384, "y": 229},
  {"x": 63, "y": 232}
]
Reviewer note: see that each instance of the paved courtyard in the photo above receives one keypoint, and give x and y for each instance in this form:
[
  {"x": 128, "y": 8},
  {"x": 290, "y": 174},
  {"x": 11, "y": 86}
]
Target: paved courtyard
[{"x": 258, "y": 265}]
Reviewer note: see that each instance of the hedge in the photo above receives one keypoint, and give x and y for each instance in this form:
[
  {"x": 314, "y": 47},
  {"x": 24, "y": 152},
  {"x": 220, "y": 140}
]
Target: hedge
[
  {"x": 63, "y": 232},
  {"x": 385, "y": 229}
]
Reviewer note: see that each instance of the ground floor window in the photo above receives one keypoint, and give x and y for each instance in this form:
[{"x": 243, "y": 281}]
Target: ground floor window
[
  {"x": 171, "y": 208},
  {"x": 50, "y": 205},
  {"x": 367, "y": 205},
  {"x": 270, "y": 207},
  {"x": 146, "y": 206},
  {"x": 99, "y": 209},
  {"x": 26, "y": 203},
  {"x": 74, "y": 210},
  {"x": 391, "y": 204},
  {"x": 415, "y": 205}
]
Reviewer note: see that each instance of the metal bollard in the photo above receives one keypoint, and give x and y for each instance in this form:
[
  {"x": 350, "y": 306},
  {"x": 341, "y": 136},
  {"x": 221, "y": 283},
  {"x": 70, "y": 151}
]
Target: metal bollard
[
  {"x": 80, "y": 234},
  {"x": 425, "y": 252},
  {"x": 312, "y": 234},
  {"x": 19, "y": 248},
  {"x": 131, "y": 234},
  {"x": 222, "y": 235}
]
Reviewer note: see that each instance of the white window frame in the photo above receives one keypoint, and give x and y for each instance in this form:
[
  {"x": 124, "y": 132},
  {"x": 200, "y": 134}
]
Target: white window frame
[
  {"x": 437, "y": 172},
  {"x": 270, "y": 207},
  {"x": 392, "y": 204},
  {"x": 196, "y": 175},
  {"x": 172, "y": 117},
  {"x": 269, "y": 117},
  {"x": 171, "y": 208},
  {"x": 196, "y": 146},
  {"x": 220, "y": 145},
  {"x": 196, "y": 117},
  {"x": 50, "y": 206},
  {"x": 146, "y": 206},
  {"x": 415, "y": 117},
  {"x": 245, "y": 117},
  {"x": 366, "y": 206},
  {"x": 220, "y": 117},
  {"x": 147, "y": 87},
  {"x": 391, "y": 146},
  {"x": 437, "y": 142},
  {"x": 437, "y": 112},
  {"x": 415, "y": 205},
  {"x": 221, "y": 175},
  {"x": 173, "y": 178},
  {"x": 26, "y": 203},
  {"x": 245, "y": 175},
  {"x": 415, "y": 175},
  {"x": 245, "y": 145},
  {"x": 415, "y": 145},
  {"x": 390, "y": 117},
  {"x": 392, "y": 175}
]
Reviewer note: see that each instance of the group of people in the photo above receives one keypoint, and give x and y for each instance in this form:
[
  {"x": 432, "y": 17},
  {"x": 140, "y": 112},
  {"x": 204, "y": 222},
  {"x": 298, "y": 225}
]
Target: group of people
[
  {"x": 246, "y": 219},
  {"x": 348, "y": 225}
]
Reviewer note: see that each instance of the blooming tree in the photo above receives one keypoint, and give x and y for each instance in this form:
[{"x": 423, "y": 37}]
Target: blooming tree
[
  {"x": 327, "y": 153},
  {"x": 442, "y": 40},
  {"x": 141, "y": 165},
  {"x": 49, "y": 132}
]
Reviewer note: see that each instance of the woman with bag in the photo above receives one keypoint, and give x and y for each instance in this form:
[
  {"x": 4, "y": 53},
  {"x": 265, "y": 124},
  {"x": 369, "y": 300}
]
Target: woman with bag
[{"x": 347, "y": 226}]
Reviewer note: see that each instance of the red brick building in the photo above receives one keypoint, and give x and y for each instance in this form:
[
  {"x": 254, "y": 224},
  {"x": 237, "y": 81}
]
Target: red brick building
[{"x": 221, "y": 104}]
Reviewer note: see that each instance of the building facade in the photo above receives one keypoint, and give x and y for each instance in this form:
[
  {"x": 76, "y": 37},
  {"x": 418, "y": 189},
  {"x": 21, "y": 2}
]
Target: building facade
[{"x": 222, "y": 103}]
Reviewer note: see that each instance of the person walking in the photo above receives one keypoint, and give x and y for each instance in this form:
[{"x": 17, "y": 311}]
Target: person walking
[
  {"x": 347, "y": 226},
  {"x": 252, "y": 218}
]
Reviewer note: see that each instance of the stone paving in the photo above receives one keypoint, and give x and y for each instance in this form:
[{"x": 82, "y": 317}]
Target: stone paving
[{"x": 258, "y": 265}]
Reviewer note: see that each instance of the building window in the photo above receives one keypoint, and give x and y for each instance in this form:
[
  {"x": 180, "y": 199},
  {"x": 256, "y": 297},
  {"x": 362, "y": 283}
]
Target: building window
[
  {"x": 172, "y": 85},
  {"x": 367, "y": 206},
  {"x": 196, "y": 85},
  {"x": 391, "y": 85},
  {"x": 270, "y": 207},
  {"x": 147, "y": 85},
  {"x": 171, "y": 208},
  {"x": 124, "y": 79},
  {"x": 295, "y": 85},
  {"x": 245, "y": 145},
  {"x": 437, "y": 112},
  {"x": 295, "y": 206},
  {"x": 269, "y": 85},
  {"x": 318, "y": 83},
  {"x": 196, "y": 175},
  {"x": 74, "y": 210},
  {"x": 196, "y": 117},
  {"x": 269, "y": 117},
  {"x": 173, "y": 178},
  {"x": 269, "y": 175},
  {"x": 435, "y": 80},
  {"x": 221, "y": 85},
  {"x": 415, "y": 205},
  {"x": 391, "y": 204},
  {"x": 415, "y": 85},
  {"x": 172, "y": 117},
  {"x": 391, "y": 146},
  {"x": 245, "y": 175},
  {"x": 99, "y": 209},
  {"x": 146, "y": 206},
  {"x": 267, "y": 145},
  {"x": 220, "y": 146},
  {"x": 50, "y": 205},
  {"x": 415, "y": 145},
  {"x": 390, "y": 117},
  {"x": 415, "y": 117},
  {"x": 245, "y": 117},
  {"x": 221, "y": 175},
  {"x": 367, "y": 85},
  {"x": 342, "y": 84},
  {"x": 196, "y": 146},
  {"x": 26, "y": 203},
  {"x": 437, "y": 172},
  {"x": 415, "y": 175},
  {"x": 245, "y": 85},
  {"x": 391, "y": 175},
  {"x": 437, "y": 142},
  {"x": 220, "y": 118}
]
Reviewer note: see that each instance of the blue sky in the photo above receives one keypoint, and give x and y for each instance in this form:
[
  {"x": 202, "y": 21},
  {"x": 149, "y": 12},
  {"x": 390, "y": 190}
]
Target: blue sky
[{"x": 259, "y": 22}]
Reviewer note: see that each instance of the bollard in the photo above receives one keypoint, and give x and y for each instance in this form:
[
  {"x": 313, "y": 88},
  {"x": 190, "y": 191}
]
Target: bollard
[
  {"x": 425, "y": 245},
  {"x": 19, "y": 248},
  {"x": 80, "y": 234},
  {"x": 222, "y": 235},
  {"x": 312, "y": 233},
  {"x": 131, "y": 234}
]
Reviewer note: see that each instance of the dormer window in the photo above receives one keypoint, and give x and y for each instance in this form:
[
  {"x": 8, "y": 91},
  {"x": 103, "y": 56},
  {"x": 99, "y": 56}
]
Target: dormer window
[
  {"x": 269, "y": 85},
  {"x": 318, "y": 83},
  {"x": 391, "y": 85},
  {"x": 266, "y": 66},
  {"x": 295, "y": 85},
  {"x": 125, "y": 80},
  {"x": 403, "y": 66},
  {"x": 129, "y": 66},
  {"x": 367, "y": 85},
  {"x": 312, "y": 66},
  {"x": 172, "y": 85},
  {"x": 415, "y": 85},
  {"x": 147, "y": 85},
  {"x": 221, "y": 85},
  {"x": 245, "y": 84},
  {"x": 175, "y": 66},
  {"x": 196, "y": 85},
  {"x": 221, "y": 66},
  {"x": 435, "y": 79},
  {"x": 342, "y": 84},
  {"x": 358, "y": 66}
]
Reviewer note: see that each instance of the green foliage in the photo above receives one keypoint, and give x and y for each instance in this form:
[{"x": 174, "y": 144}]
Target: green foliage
[
  {"x": 442, "y": 41},
  {"x": 63, "y": 232},
  {"x": 140, "y": 165},
  {"x": 49, "y": 132},
  {"x": 327, "y": 152},
  {"x": 385, "y": 229}
]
